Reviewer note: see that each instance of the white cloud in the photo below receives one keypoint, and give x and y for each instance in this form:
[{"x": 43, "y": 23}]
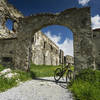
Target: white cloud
[
  {"x": 95, "y": 21},
  {"x": 83, "y": 2},
  {"x": 66, "y": 46},
  {"x": 54, "y": 38}
]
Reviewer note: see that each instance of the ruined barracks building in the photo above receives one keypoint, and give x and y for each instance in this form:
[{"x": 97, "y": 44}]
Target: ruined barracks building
[
  {"x": 44, "y": 51},
  {"x": 20, "y": 45}
]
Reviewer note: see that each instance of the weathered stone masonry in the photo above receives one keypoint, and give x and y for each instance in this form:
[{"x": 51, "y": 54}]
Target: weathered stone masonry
[
  {"x": 6, "y": 52},
  {"x": 44, "y": 51},
  {"x": 78, "y": 20},
  {"x": 8, "y": 39}
]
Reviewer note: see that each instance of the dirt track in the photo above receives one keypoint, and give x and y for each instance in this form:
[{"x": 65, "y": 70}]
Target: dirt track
[{"x": 38, "y": 89}]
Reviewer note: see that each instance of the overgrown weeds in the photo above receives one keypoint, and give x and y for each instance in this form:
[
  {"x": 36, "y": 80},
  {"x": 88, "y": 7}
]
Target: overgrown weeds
[{"x": 86, "y": 85}]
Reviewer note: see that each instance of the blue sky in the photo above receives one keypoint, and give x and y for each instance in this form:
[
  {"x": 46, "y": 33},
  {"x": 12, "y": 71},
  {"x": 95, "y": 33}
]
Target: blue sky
[{"x": 62, "y": 36}]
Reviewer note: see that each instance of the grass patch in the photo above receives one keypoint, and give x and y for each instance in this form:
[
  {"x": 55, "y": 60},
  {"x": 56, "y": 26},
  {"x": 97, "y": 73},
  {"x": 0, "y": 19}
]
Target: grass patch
[
  {"x": 43, "y": 70},
  {"x": 86, "y": 86},
  {"x": 7, "y": 83},
  {"x": 23, "y": 76},
  {"x": 1, "y": 67}
]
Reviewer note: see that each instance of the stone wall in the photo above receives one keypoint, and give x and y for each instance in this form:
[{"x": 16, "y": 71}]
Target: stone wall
[
  {"x": 76, "y": 19},
  {"x": 7, "y": 51},
  {"x": 96, "y": 38},
  {"x": 8, "y": 38},
  {"x": 44, "y": 51}
]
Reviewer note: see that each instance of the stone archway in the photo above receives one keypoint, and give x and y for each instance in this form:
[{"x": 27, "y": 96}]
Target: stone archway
[{"x": 78, "y": 20}]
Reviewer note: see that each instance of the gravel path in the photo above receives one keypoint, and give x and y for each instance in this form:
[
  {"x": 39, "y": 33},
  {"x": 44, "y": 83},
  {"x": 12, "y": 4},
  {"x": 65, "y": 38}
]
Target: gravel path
[{"x": 38, "y": 89}]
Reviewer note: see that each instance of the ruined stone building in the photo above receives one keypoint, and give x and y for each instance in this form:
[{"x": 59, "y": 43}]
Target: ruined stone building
[
  {"x": 44, "y": 51},
  {"x": 68, "y": 59},
  {"x": 16, "y": 45},
  {"x": 8, "y": 38}
]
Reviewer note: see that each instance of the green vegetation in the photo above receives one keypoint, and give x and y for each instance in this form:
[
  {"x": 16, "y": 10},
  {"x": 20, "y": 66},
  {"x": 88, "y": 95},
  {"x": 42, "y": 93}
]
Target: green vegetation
[
  {"x": 1, "y": 67},
  {"x": 6, "y": 83},
  {"x": 35, "y": 71},
  {"x": 43, "y": 70},
  {"x": 86, "y": 86}
]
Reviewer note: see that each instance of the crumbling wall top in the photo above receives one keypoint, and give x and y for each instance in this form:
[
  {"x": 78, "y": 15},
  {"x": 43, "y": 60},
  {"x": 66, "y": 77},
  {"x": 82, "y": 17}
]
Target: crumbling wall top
[
  {"x": 9, "y": 10},
  {"x": 8, "y": 13}
]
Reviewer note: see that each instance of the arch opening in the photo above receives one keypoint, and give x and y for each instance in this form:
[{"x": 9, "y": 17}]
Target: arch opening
[{"x": 54, "y": 44}]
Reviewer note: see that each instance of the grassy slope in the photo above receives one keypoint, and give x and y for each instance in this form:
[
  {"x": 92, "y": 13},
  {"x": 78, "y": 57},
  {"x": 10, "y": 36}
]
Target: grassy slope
[
  {"x": 43, "y": 70},
  {"x": 9, "y": 83},
  {"x": 87, "y": 85},
  {"x": 35, "y": 71}
]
